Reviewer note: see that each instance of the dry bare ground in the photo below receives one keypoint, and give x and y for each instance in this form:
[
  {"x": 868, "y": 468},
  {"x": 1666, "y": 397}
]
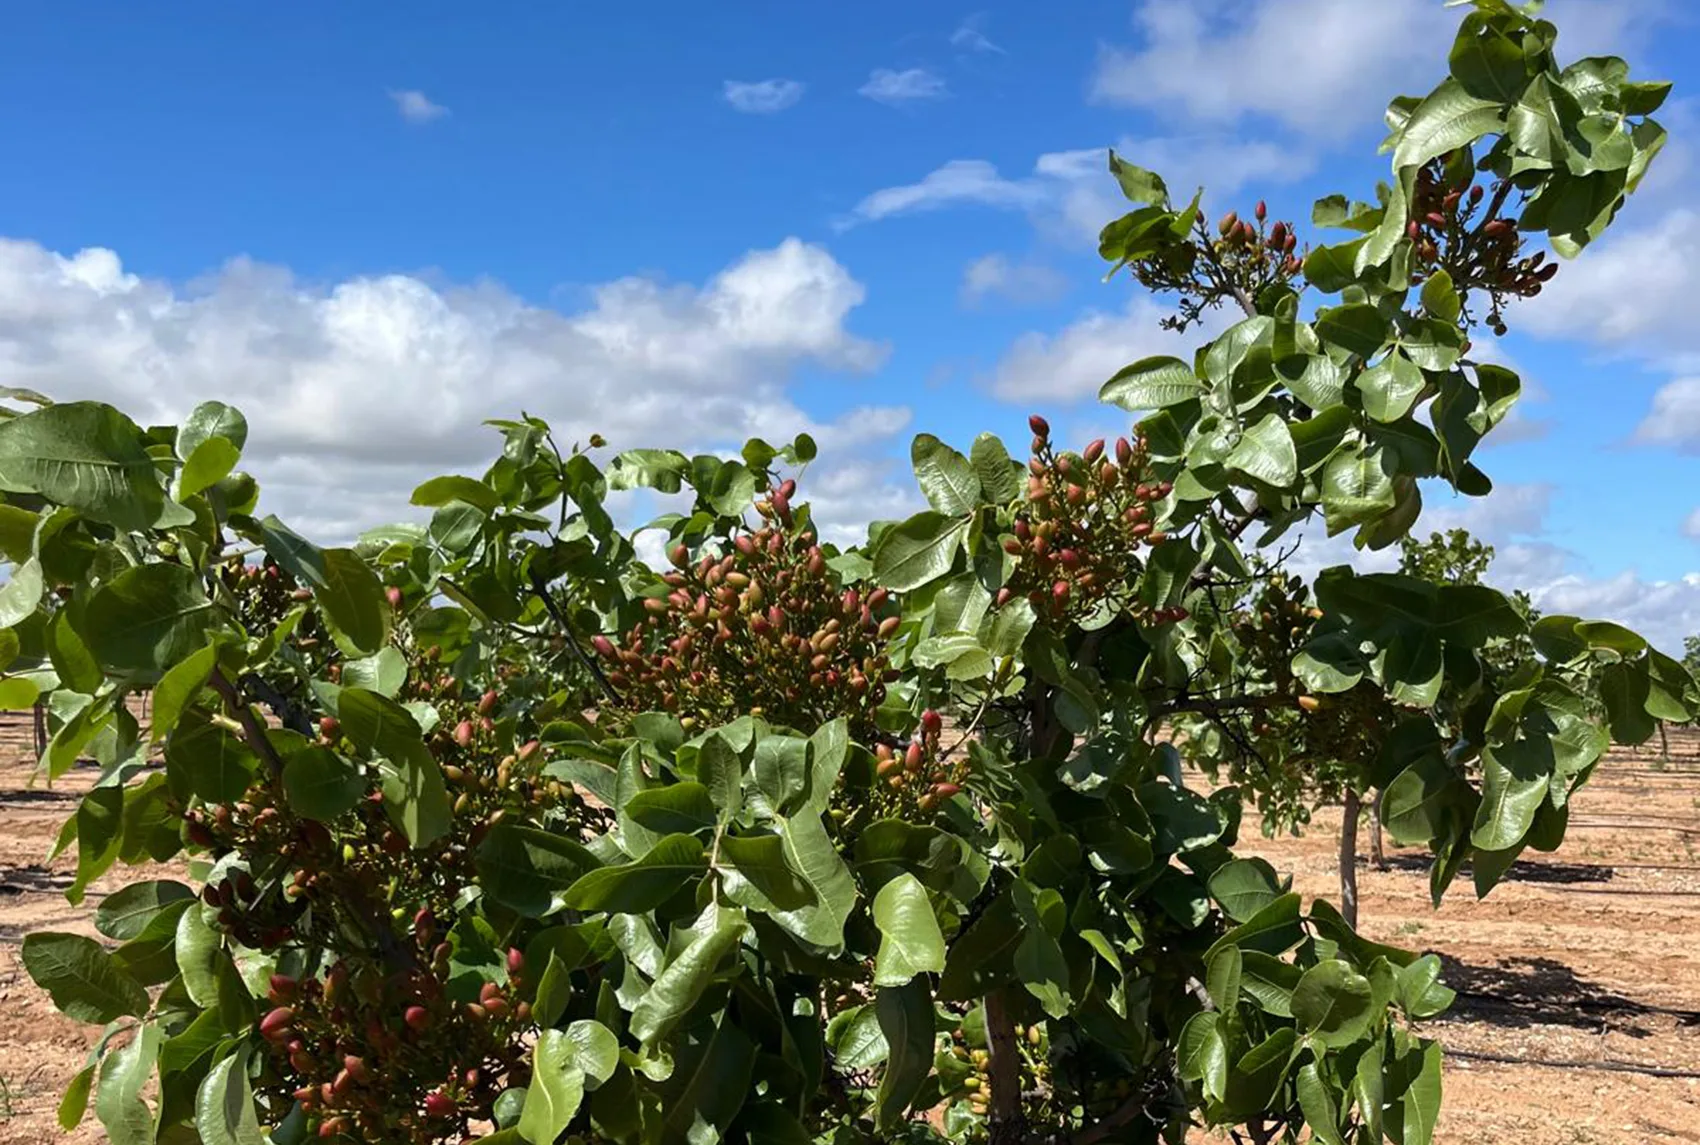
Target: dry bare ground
[{"x": 1589, "y": 955}]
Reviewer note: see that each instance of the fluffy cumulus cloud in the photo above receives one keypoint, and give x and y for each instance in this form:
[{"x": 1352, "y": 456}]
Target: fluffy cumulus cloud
[
  {"x": 995, "y": 276},
  {"x": 912, "y": 85},
  {"x": 415, "y": 107},
  {"x": 357, "y": 390},
  {"x": 970, "y": 36},
  {"x": 1071, "y": 194},
  {"x": 1300, "y": 63},
  {"x": 762, "y": 97}
]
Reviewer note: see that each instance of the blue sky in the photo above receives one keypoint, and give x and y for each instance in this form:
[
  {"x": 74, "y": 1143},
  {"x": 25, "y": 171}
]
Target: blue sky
[{"x": 372, "y": 226}]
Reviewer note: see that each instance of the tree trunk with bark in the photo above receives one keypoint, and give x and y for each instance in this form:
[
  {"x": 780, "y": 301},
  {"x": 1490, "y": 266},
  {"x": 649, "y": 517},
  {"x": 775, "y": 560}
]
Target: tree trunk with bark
[
  {"x": 1377, "y": 855},
  {"x": 1349, "y": 859}
]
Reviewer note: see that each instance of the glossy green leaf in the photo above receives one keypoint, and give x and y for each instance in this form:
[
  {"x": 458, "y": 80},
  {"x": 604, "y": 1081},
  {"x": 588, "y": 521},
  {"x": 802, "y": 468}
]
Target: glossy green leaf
[
  {"x": 1203, "y": 1054},
  {"x": 680, "y": 986},
  {"x": 149, "y": 617},
  {"x": 1332, "y": 1003},
  {"x": 643, "y": 885},
  {"x": 1316, "y": 1102},
  {"x": 124, "y": 914},
  {"x": 1450, "y": 117},
  {"x": 440, "y": 491},
  {"x": 224, "y": 1105},
  {"x": 919, "y": 550},
  {"x": 679, "y": 808},
  {"x": 79, "y": 975},
  {"x": 118, "y": 1099},
  {"x": 210, "y": 463},
  {"x": 756, "y": 876},
  {"x": 1265, "y": 453},
  {"x": 906, "y": 1019},
  {"x": 178, "y": 688},
  {"x": 523, "y": 868},
  {"x": 1151, "y": 384},
  {"x": 946, "y": 478},
  {"x": 810, "y": 852},
  {"x": 211, "y": 420},
  {"x": 1357, "y": 327},
  {"x": 85, "y": 455},
  {"x": 320, "y": 784},
  {"x": 911, "y": 942},
  {"x": 999, "y": 474}
]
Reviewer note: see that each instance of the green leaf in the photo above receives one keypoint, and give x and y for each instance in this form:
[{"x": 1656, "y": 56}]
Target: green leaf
[
  {"x": 126, "y": 912},
  {"x": 1514, "y": 781},
  {"x": 911, "y": 942},
  {"x": 118, "y": 1101},
  {"x": 81, "y": 978},
  {"x": 207, "y": 421},
  {"x": 215, "y": 765},
  {"x": 641, "y": 886},
  {"x": 1412, "y": 1116},
  {"x": 1419, "y": 989},
  {"x": 1151, "y": 384},
  {"x": 946, "y": 477},
  {"x": 353, "y": 601},
  {"x": 1449, "y": 118},
  {"x": 999, "y": 474},
  {"x": 1203, "y": 1054},
  {"x": 75, "y": 1101},
  {"x": 384, "y": 673},
  {"x": 149, "y": 617},
  {"x": 439, "y": 491},
  {"x": 1316, "y": 1102},
  {"x": 77, "y": 668},
  {"x": 709, "y": 1084},
  {"x": 84, "y": 455},
  {"x": 1356, "y": 487},
  {"x": 1390, "y": 387},
  {"x": 1486, "y": 62},
  {"x": 1357, "y": 327},
  {"x": 199, "y": 951},
  {"x": 810, "y": 852},
  {"x": 680, "y": 808},
  {"x": 755, "y": 875},
  {"x": 681, "y": 985},
  {"x": 1333, "y": 1004},
  {"x": 21, "y": 594},
  {"x": 224, "y": 1105},
  {"x": 414, "y": 797},
  {"x": 1244, "y": 887},
  {"x": 1273, "y": 930},
  {"x": 1223, "y": 978},
  {"x": 320, "y": 784},
  {"x": 1138, "y": 184},
  {"x": 211, "y": 463},
  {"x": 564, "y": 1063},
  {"x": 659, "y": 469},
  {"x": 1265, "y": 453},
  {"x": 1625, "y": 689},
  {"x": 1440, "y": 297},
  {"x": 906, "y": 1019},
  {"x": 1269, "y": 982},
  {"x": 178, "y": 688},
  {"x": 919, "y": 550},
  {"x": 522, "y": 868}
]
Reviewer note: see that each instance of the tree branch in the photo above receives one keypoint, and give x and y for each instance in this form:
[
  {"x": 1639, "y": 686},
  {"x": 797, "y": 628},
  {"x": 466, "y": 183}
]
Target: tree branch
[
  {"x": 541, "y": 590},
  {"x": 252, "y": 729}
]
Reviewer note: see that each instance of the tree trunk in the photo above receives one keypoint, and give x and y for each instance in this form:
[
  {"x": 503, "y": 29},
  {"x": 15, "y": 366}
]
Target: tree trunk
[
  {"x": 1349, "y": 859},
  {"x": 1009, "y": 1121},
  {"x": 1376, "y": 854},
  {"x": 40, "y": 731}
]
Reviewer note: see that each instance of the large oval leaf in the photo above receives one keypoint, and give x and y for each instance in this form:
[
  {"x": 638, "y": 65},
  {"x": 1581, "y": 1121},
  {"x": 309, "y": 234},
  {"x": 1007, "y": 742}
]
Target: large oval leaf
[{"x": 1151, "y": 384}]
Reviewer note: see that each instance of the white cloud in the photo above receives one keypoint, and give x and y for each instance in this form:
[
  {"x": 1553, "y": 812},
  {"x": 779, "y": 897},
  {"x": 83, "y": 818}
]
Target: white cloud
[
  {"x": 970, "y": 36},
  {"x": 762, "y": 97},
  {"x": 1674, "y": 419},
  {"x": 1633, "y": 291},
  {"x": 1071, "y": 365},
  {"x": 1072, "y": 194},
  {"x": 1027, "y": 283},
  {"x": 359, "y": 389},
  {"x": 1664, "y": 611},
  {"x": 1320, "y": 67},
  {"x": 416, "y": 108},
  {"x": 1691, "y": 526},
  {"x": 908, "y": 86}
]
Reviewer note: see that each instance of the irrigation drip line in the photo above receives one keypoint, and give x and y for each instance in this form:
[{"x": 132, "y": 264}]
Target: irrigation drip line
[
  {"x": 1607, "y": 1066},
  {"x": 1626, "y": 1007}
]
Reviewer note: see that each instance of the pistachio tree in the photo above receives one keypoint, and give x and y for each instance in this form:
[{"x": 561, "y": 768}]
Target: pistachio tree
[{"x": 495, "y": 832}]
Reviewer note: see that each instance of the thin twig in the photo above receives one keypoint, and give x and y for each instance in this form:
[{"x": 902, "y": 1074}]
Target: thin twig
[{"x": 541, "y": 589}]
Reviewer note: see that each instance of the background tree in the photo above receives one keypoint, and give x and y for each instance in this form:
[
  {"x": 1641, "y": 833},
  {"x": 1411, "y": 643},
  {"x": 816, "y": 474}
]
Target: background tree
[{"x": 490, "y": 823}]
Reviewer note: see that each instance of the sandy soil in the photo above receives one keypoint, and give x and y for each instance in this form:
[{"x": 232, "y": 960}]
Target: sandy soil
[{"x": 1589, "y": 955}]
